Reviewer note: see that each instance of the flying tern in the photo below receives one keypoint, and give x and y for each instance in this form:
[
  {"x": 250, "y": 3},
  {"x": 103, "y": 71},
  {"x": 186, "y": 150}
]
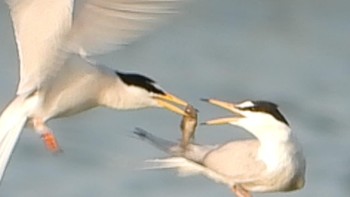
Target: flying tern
[
  {"x": 57, "y": 79},
  {"x": 272, "y": 162}
]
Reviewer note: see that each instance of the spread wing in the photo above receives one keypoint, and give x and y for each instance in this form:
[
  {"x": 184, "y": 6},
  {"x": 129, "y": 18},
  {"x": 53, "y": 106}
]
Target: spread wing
[
  {"x": 39, "y": 26},
  {"x": 102, "y": 25},
  {"x": 43, "y": 28}
]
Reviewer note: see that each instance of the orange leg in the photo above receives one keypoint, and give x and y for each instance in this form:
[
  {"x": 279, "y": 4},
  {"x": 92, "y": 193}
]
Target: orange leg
[
  {"x": 47, "y": 136},
  {"x": 50, "y": 142},
  {"x": 240, "y": 191}
]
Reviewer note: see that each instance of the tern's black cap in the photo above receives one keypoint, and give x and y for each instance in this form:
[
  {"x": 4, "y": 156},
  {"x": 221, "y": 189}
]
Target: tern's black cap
[
  {"x": 266, "y": 107},
  {"x": 133, "y": 79}
]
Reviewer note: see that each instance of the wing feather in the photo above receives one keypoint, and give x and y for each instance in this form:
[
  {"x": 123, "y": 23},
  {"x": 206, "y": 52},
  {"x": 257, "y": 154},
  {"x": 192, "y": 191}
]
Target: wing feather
[
  {"x": 46, "y": 31},
  {"x": 102, "y": 25},
  {"x": 237, "y": 160},
  {"x": 39, "y": 32}
]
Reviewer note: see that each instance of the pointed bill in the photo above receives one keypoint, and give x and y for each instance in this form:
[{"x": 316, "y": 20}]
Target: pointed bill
[
  {"x": 168, "y": 102},
  {"x": 226, "y": 105},
  {"x": 220, "y": 121}
]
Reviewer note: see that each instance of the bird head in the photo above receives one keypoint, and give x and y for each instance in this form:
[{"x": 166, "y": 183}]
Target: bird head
[
  {"x": 141, "y": 91},
  {"x": 258, "y": 117}
]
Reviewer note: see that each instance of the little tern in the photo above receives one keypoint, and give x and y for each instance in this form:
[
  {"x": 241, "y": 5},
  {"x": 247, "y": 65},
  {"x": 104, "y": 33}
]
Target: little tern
[
  {"x": 57, "y": 79},
  {"x": 272, "y": 162}
]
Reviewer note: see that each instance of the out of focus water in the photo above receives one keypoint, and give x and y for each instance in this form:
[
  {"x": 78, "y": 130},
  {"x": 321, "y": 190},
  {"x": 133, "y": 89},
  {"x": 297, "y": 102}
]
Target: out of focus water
[{"x": 295, "y": 53}]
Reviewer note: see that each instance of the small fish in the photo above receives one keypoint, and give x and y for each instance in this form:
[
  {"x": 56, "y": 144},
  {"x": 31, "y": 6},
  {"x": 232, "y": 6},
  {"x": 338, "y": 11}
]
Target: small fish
[{"x": 188, "y": 125}]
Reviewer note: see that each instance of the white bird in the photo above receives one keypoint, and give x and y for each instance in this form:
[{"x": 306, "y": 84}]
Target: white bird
[
  {"x": 57, "y": 79},
  {"x": 272, "y": 162}
]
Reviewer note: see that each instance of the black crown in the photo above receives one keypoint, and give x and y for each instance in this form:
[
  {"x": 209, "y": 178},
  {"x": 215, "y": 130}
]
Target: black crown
[{"x": 138, "y": 80}]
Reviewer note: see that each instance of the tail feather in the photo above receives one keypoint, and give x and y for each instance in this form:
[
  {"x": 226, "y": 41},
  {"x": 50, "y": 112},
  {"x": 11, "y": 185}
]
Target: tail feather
[
  {"x": 7, "y": 146},
  {"x": 186, "y": 167},
  {"x": 12, "y": 120}
]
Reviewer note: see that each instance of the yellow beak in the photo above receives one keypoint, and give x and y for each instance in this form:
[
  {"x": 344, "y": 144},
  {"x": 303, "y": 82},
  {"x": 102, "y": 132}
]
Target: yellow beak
[
  {"x": 229, "y": 106},
  {"x": 166, "y": 101}
]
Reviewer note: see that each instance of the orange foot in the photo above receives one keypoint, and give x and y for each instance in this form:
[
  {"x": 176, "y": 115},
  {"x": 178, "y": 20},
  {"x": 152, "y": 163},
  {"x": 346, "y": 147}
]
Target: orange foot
[{"x": 51, "y": 143}]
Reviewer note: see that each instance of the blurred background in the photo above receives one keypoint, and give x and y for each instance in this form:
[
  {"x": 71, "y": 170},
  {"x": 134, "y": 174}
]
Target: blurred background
[{"x": 294, "y": 53}]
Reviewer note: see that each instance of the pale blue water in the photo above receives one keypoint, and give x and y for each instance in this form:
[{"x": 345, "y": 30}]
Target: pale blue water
[{"x": 295, "y": 53}]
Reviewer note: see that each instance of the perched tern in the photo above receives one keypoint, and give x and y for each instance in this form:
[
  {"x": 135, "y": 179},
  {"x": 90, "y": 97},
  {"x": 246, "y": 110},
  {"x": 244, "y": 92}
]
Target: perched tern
[
  {"x": 56, "y": 77},
  {"x": 273, "y": 162}
]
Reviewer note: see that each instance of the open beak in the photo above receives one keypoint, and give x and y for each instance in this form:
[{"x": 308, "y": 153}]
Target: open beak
[
  {"x": 229, "y": 106},
  {"x": 167, "y": 101}
]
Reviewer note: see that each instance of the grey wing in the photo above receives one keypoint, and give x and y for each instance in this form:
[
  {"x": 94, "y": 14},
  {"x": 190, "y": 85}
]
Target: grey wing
[
  {"x": 195, "y": 153},
  {"x": 236, "y": 160},
  {"x": 169, "y": 147},
  {"x": 102, "y": 25},
  {"x": 198, "y": 153}
]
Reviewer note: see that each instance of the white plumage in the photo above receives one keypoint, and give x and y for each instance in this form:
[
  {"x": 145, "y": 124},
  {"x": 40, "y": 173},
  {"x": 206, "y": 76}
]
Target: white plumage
[
  {"x": 272, "y": 162},
  {"x": 54, "y": 39}
]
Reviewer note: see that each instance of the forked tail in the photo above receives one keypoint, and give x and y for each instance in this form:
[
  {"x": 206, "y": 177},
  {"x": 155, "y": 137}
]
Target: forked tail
[
  {"x": 187, "y": 167},
  {"x": 12, "y": 120}
]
